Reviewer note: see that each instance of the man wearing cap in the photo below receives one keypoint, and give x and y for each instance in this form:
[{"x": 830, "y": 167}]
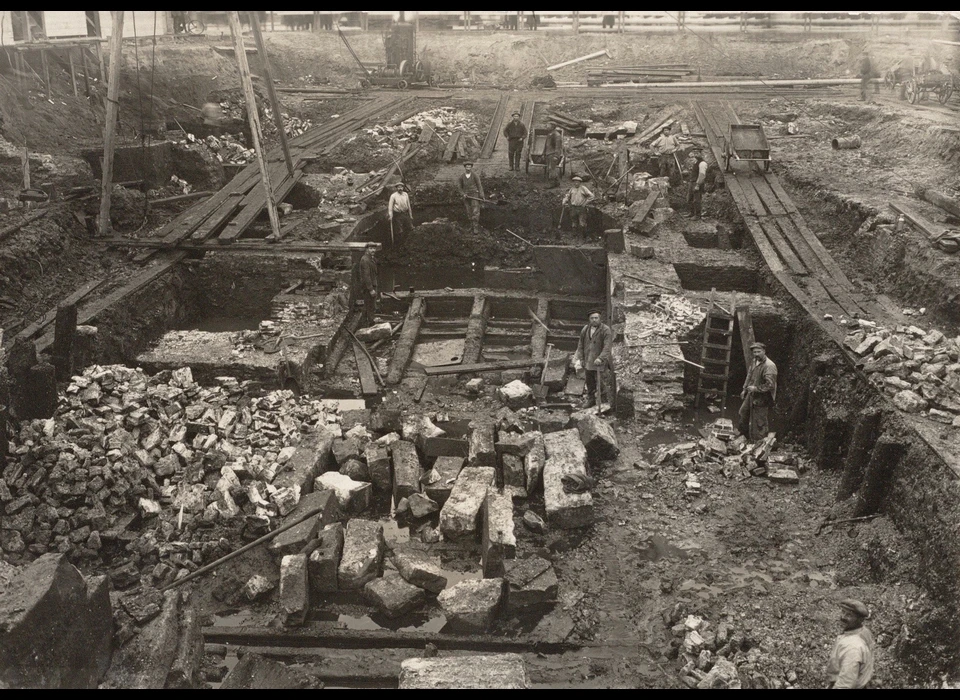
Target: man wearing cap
[
  {"x": 851, "y": 663},
  {"x": 515, "y": 132},
  {"x": 759, "y": 393},
  {"x": 471, "y": 189},
  {"x": 593, "y": 355},
  {"x": 369, "y": 284},
  {"x": 577, "y": 198},
  {"x": 552, "y": 153},
  {"x": 665, "y": 148},
  {"x": 400, "y": 213}
]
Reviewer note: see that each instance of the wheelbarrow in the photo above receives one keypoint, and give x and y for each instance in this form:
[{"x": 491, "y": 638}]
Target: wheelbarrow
[{"x": 746, "y": 143}]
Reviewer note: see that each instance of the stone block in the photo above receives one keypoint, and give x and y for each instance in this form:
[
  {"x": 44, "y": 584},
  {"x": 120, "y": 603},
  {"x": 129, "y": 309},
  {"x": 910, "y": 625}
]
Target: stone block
[
  {"x": 356, "y": 470},
  {"x": 909, "y": 401},
  {"x": 351, "y": 419},
  {"x": 597, "y": 436},
  {"x": 406, "y": 470},
  {"x": 460, "y": 514},
  {"x": 445, "y": 473},
  {"x": 144, "y": 662},
  {"x": 420, "y": 570},
  {"x": 514, "y": 477},
  {"x": 472, "y": 605},
  {"x": 533, "y": 463},
  {"x": 374, "y": 333},
  {"x": 362, "y": 558},
  {"x": 253, "y": 672},
  {"x": 345, "y": 449},
  {"x": 531, "y": 583},
  {"x": 644, "y": 252},
  {"x": 378, "y": 466},
  {"x": 499, "y": 538},
  {"x": 353, "y": 497},
  {"x": 324, "y": 561},
  {"x": 394, "y": 596},
  {"x": 257, "y": 586},
  {"x": 294, "y": 588},
  {"x": 294, "y": 539},
  {"x": 385, "y": 420},
  {"x": 515, "y": 395},
  {"x": 311, "y": 458},
  {"x": 783, "y": 476},
  {"x": 515, "y": 443},
  {"x": 421, "y": 506},
  {"x": 482, "y": 451},
  {"x": 477, "y": 671},
  {"x": 565, "y": 454}
]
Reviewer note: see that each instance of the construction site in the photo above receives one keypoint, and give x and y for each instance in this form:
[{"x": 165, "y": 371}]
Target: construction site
[{"x": 297, "y": 378}]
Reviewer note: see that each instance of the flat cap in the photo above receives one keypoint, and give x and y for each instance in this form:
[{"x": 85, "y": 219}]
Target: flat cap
[
  {"x": 467, "y": 163},
  {"x": 598, "y": 312},
  {"x": 758, "y": 345},
  {"x": 515, "y": 114},
  {"x": 577, "y": 178},
  {"x": 854, "y": 606}
]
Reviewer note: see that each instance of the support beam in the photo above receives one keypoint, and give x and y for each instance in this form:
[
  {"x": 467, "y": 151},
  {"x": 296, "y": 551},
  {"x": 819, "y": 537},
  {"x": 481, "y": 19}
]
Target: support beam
[
  {"x": 745, "y": 326},
  {"x": 73, "y": 72},
  {"x": 407, "y": 340},
  {"x": 538, "y": 333},
  {"x": 473, "y": 340},
  {"x": 45, "y": 62},
  {"x": 254, "y": 118},
  {"x": 271, "y": 90},
  {"x": 64, "y": 334},
  {"x": 110, "y": 126}
]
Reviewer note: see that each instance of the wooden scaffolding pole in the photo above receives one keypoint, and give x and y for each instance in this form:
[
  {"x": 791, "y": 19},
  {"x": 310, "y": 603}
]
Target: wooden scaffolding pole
[
  {"x": 254, "y": 118},
  {"x": 271, "y": 91},
  {"x": 110, "y": 127}
]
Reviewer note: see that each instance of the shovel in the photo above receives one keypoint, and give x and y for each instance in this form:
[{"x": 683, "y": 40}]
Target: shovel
[
  {"x": 540, "y": 390},
  {"x": 500, "y": 202}
]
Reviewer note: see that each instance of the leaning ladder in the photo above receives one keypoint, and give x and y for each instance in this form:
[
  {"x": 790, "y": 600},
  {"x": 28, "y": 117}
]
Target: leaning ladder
[{"x": 715, "y": 353}]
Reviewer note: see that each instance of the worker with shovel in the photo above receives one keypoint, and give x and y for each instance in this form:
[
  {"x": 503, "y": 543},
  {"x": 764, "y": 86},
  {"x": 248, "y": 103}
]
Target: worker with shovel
[
  {"x": 577, "y": 198},
  {"x": 665, "y": 147},
  {"x": 369, "y": 284},
  {"x": 400, "y": 213},
  {"x": 593, "y": 356},
  {"x": 759, "y": 394},
  {"x": 471, "y": 189},
  {"x": 515, "y": 132}
]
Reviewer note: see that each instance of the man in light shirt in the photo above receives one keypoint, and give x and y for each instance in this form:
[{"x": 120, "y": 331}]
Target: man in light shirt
[
  {"x": 577, "y": 198},
  {"x": 400, "y": 213},
  {"x": 696, "y": 184},
  {"x": 851, "y": 663},
  {"x": 471, "y": 189},
  {"x": 665, "y": 148}
]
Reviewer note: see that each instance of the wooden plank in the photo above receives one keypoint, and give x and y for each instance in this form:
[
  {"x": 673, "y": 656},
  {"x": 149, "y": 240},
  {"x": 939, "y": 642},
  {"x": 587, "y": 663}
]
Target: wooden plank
[
  {"x": 217, "y": 220},
  {"x": 750, "y": 195},
  {"x": 745, "y": 326},
  {"x": 243, "y": 247},
  {"x": 493, "y": 133},
  {"x": 783, "y": 249},
  {"x": 405, "y": 343},
  {"x": 451, "y": 148},
  {"x": 767, "y": 195},
  {"x": 368, "y": 382},
  {"x": 763, "y": 244},
  {"x": 51, "y": 315},
  {"x": 482, "y": 367}
]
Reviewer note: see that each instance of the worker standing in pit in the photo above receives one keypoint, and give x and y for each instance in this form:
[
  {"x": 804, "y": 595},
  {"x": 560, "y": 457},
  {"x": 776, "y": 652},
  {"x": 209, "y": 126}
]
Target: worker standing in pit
[
  {"x": 593, "y": 355},
  {"x": 866, "y": 70},
  {"x": 665, "y": 148},
  {"x": 552, "y": 152},
  {"x": 369, "y": 284},
  {"x": 851, "y": 663},
  {"x": 515, "y": 132},
  {"x": 400, "y": 213},
  {"x": 471, "y": 189},
  {"x": 577, "y": 198},
  {"x": 696, "y": 183},
  {"x": 759, "y": 394},
  {"x": 212, "y": 117}
]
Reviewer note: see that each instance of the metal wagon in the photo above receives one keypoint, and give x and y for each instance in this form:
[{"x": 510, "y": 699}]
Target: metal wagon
[
  {"x": 746, "y": 142},
  {"x": 536, "y": 153}
]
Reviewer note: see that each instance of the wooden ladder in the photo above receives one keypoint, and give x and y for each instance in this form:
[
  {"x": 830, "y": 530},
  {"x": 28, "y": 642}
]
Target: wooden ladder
[{"x": 715, "y": 353}]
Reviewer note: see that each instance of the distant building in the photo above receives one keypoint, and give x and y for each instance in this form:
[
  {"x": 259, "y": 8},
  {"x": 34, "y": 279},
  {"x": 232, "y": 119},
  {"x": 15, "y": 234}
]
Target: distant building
[{"x": 37, "y": 25}]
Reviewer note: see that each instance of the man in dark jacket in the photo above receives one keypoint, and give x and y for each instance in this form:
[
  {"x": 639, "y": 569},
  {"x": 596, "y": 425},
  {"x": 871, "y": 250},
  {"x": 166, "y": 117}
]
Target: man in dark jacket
[
  {"x": 471, "y": 189},
  {"x": 515, "y": 132},
  {"x": 866, "y": 71},
  {"x": 369, "y": 284},
  {"x": 759, "y": 394},
  {"x": 593, "y": 355},
  {"x": 553, "y": 152}
]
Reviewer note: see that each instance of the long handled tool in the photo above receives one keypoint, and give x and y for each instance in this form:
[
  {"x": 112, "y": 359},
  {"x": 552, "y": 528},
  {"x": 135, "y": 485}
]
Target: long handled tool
[
  {"x": 373, "y": 363},
  {"x": 391, "y": 231},
  {"x": 501, "y": 202},
  {"x": 520, "y": 237}
]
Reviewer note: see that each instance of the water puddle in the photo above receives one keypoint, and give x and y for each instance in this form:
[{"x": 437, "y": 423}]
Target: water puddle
[
  {"x": 657, "y": 547},
  {"x": 414, "y": 622},
  {"x": 233, "y": 618}
]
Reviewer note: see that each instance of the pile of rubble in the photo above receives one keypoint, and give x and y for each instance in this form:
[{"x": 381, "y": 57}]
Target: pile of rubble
[
  {"x": 125, "y": 448},
  {"x": 292, "y": 126},
  {"x": 227, "y": 149},
  {"x": 919, "y": 370},
  {"x": 725, "y": 452},
  {"x": 443, "y": 120},
  {"x": 720, "y": 658}
]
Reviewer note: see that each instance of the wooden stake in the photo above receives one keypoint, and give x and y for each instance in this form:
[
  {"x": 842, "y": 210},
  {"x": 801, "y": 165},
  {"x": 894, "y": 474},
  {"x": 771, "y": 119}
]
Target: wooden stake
[
  {"x": 103, "y": 68},
  {"x": 271, "y": 90},
  {"x": 73, "y": 73},
  {"x": 86, "y": 71},
  {"x": 46, "y": 72},
  {"x": 26, "y": 168},
  {"x": 110, "y": 127},
  {"x": 254, "y": 118}
]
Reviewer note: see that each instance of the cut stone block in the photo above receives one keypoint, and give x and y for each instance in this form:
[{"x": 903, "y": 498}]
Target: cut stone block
[
  {"x": 256, "y": 586},
  {"x": 344, "y": 449},
  {"x": 351, "y": 419},
  {"x": 352, "y": 496},
  {"x": 516, "y": 444},
  {"x": 253, "y": 672},
  {"x": 499, "y": 538},
  {"x": 533, "y": 463},
  {"x": 516, "y": 394},
  {"x": 473, "y": 604},
  {"x": 294, "y": 539},
  {"x": 310, "y": 458},
  {"x": 531, "y": 583},
  {"x": 378, "y": 466},
  {"x": 459, "y": 515},
  {"x": 324, "y": 561},
  {"x": 406, "y": 470},
  {"x": 393, "y": 596},
  {"x": 446, "y": 470},
  {"x": 482, "y": 452},
  {"x": 784, "y": 476},
  {"x": 362, "y": 558},
  {"x": 421, "y": 506},
  {"x": 356, "y": 470},
  {"x": 555, "y": 373},
  {"x": 565, "y": 454},
  {"x": 294, "y": 588},
  {"x": 597, "y": 436},
  {"x": 514, "y": 477},
  {"x": 420, "y": 570},
  {"x": 480, "y": 671},
  {"x": 373, "y": 333},
  {"x": 144, "y": 662}
]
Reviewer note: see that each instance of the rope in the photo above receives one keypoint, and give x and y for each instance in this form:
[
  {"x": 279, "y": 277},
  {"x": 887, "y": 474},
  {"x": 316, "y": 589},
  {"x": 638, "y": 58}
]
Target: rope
[{"x": 747, "y": 72}]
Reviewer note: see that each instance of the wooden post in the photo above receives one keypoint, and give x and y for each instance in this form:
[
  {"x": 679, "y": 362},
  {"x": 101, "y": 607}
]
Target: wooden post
[
  {"x": 73, "y": 72},
  {"x": 110, "y": 127},
  {"x": 316, "y": 25},
  {"x": 254, "y": 118},
  {"x": 576, "y": 22},
  {"x": 46, "y": 72},
  {"x": 621, "y": 17},
  {"x": 86, "y": 71},
  {"x": 416, "y": 22},
  {"x": 64, "y": 334},
  {"x": 272, "y": 28},
  {"x": 26, "y": 168},
  {"x": 103, "y": 67},
  {"x": 271, "y": 90}
]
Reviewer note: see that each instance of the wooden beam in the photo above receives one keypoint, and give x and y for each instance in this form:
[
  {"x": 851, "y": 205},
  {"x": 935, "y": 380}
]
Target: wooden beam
[
  {"x": 73, "y": 73},
  {"x": 406, "y": 341},
  {"x": 110, "y": 125},
  {"x": 482, "y": 367},
  {"x": 271, "y": 90},
  {"x": 244, "y": 247},
  {"x": 745, "y": 326},
  {"x": 45, "y": 62},
  {"x": 254, "y": 118},
  {"x": 368, "y": 382}
]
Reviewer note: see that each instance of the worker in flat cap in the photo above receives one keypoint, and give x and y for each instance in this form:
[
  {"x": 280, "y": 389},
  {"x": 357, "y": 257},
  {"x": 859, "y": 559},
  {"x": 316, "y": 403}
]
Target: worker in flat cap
[
  {"x": 400, "y": 213},
  {"x": 759, "y": 394},
  {"x": 593, "y": 355},
  {"x": 576, "y": 199},
  {"x": 851, "y": 663},
  {"x": 516, "y": 133},
  {"x": 471, "y": 189},
  {"x": 369, "y": 283}
]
